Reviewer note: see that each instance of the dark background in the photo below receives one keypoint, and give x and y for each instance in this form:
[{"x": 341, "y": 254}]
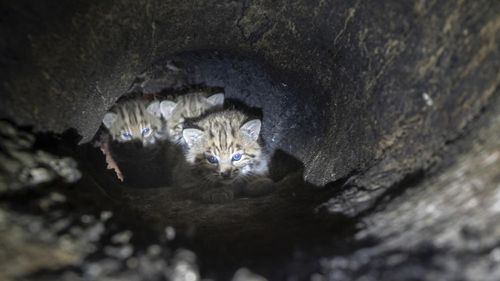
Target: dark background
[{"x": 398, "y": 98}]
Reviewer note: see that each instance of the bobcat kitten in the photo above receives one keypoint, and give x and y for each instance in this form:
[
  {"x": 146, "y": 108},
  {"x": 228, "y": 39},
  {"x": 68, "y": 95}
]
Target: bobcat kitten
[
  {"x": 225, "y": 148},
  {"x": 187, "y": 106},
  {"x": 135, "y": 119}
]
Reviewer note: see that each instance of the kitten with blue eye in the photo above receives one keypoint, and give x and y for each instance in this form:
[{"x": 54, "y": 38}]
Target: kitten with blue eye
[
  {"x": 176, "y": 111},
  {"x": 138, "y": 119},
  {"x": 135, "y": 120},
  {"x": 224, "y": 150}
]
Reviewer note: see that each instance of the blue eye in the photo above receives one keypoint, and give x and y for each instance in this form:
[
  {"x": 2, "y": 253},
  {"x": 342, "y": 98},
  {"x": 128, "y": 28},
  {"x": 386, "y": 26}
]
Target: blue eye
[
  {"x": 145, "y": 132},
  {"x": 212, "y": 159},
  {"x": 126, "y": 136},
  {"x": 236, "y": 157}
]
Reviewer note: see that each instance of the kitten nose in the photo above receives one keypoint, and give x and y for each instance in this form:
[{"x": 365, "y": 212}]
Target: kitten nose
[{"x": 226, "y": 174}]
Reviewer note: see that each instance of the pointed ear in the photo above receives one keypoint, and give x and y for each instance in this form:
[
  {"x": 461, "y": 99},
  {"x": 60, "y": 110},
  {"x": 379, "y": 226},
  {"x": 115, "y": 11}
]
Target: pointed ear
[
  {"x": 251, "y": 129},
  {"x": 192, "y": 136},
  {"x": 217, "y": 99},
  {"x": 108, "y": 119},
  {"x": 167, "y": 108},
  {"x": 154, "y": 108}
]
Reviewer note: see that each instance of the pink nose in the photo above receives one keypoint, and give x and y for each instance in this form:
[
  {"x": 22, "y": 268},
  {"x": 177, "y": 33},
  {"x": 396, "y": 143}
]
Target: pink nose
[{"x": 225, "y": 174}]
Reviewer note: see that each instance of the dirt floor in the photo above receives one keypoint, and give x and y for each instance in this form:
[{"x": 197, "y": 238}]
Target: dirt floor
[{"x": 382, "y": 119}]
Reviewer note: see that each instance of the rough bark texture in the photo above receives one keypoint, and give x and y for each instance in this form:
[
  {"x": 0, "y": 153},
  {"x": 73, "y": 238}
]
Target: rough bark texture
[
  {"x": 392, "y": 106},
  {"x": 366, "y": 67}
]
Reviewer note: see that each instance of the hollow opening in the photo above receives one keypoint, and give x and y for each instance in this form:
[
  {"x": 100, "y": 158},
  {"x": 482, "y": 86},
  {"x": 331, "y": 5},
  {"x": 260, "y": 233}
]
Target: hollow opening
[
  {"x": 274, "y": 227},
  {"x": 297, "y": 223},
  {"x": 380, "y": 119}
]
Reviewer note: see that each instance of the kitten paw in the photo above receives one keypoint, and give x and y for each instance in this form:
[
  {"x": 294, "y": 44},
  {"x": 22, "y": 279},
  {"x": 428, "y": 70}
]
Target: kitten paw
[
  {"x": 260, "y": 187},
  {"x": 218, "y": 196}
]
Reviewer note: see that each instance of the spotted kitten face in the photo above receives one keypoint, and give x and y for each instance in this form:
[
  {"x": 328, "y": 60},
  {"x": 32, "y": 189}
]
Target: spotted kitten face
[
  {"x": 225, "y": 148},
  {"x": 134, "y": 120},
  {"x": 187, "y": 106}
]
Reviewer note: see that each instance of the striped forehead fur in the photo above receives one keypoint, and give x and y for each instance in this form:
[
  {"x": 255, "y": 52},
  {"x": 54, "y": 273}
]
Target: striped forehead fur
[
  {"x": 188, "y": 106},
  {"x": 222, "y": 129},
  {"x": 222, "y": 139},
  {"x": 132, "y": 116}
]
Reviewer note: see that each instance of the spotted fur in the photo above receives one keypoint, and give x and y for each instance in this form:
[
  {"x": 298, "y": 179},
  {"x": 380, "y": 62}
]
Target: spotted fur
[
  {"x": 135, "y": 120},
  {"x": 222, "y": 135},
  {"x": 176, "y": 111}
]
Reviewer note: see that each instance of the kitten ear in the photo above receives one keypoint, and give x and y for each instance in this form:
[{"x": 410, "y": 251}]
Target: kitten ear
[
  {"x": 192, "y": 136},
  {"x": 251, "y": 129},
  {"x": 154, "y": 108},
  {"x": 217, "y": 99},
  {"x": 167, "y": 108},
  {"x": 108, "y": 119}
]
